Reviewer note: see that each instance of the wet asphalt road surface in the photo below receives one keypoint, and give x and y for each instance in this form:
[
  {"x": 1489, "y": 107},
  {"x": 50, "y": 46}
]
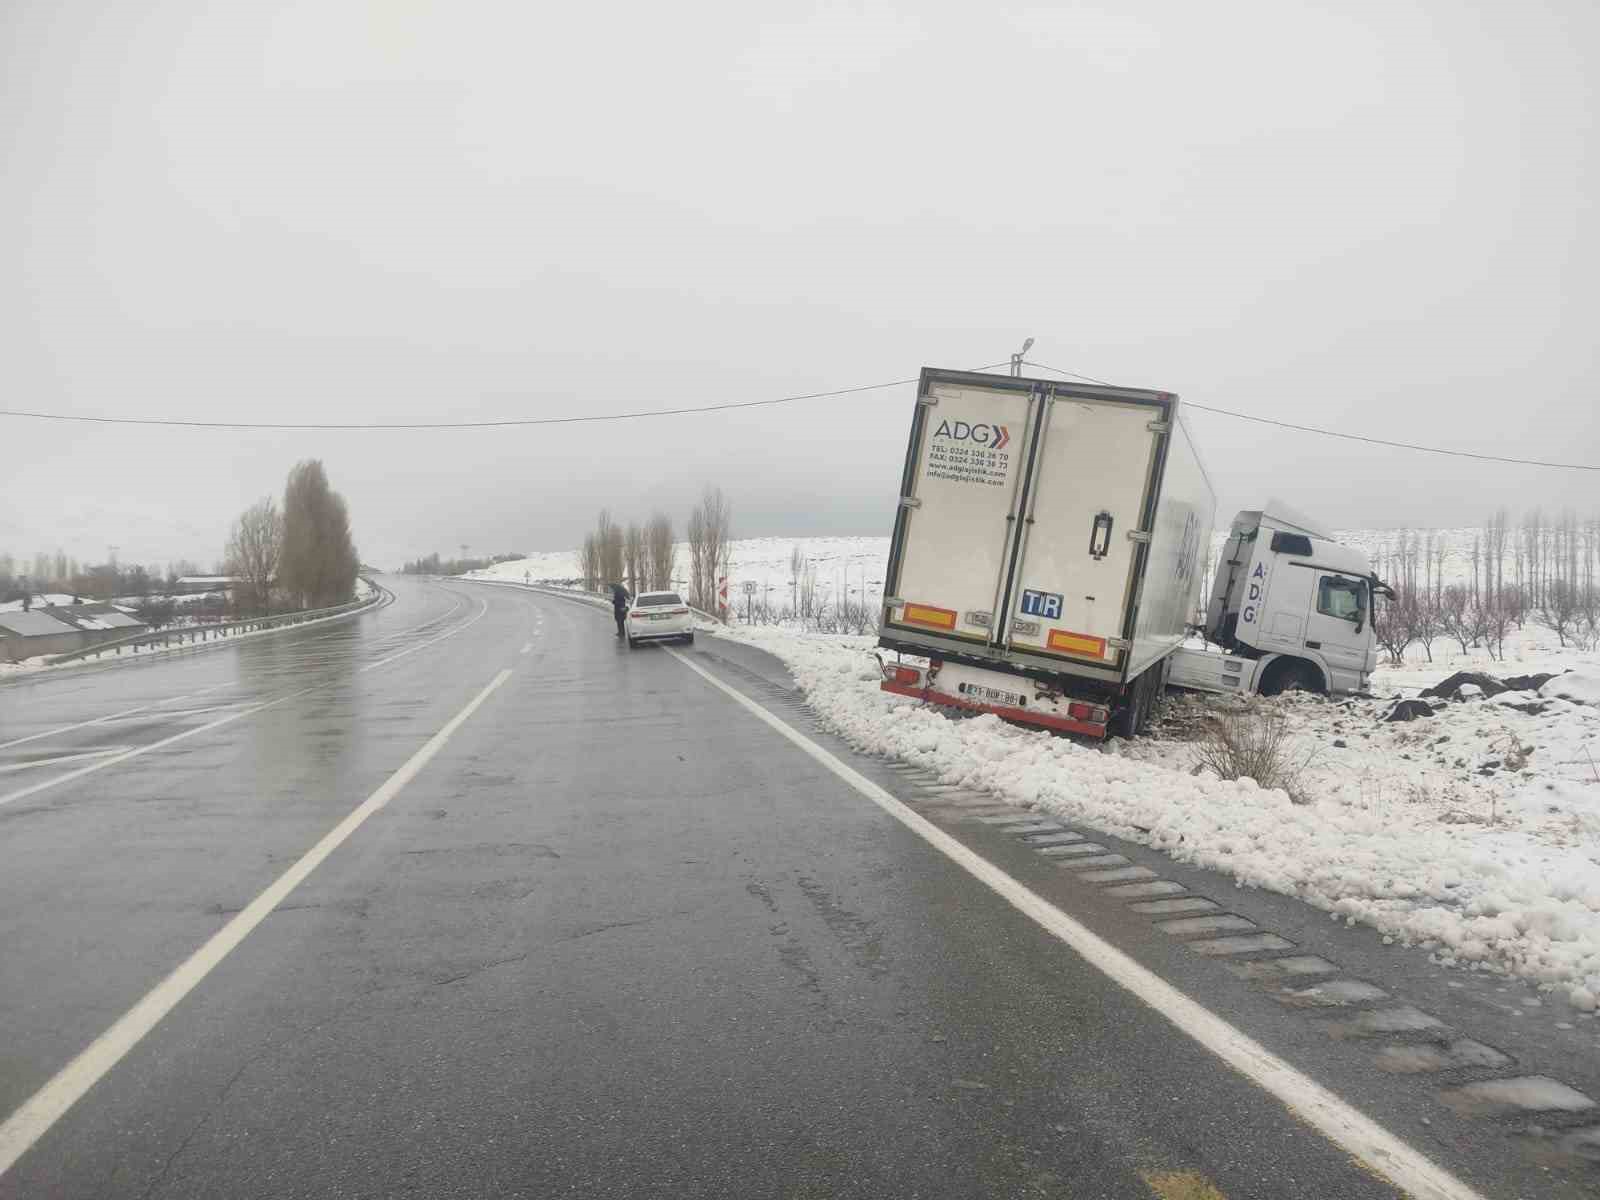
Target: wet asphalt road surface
[{"x": 616, "y": 939}]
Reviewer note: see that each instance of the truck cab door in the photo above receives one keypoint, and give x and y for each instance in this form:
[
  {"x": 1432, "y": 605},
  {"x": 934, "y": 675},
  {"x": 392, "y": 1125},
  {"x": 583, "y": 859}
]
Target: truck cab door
[{"x": 1339, "y": 627}]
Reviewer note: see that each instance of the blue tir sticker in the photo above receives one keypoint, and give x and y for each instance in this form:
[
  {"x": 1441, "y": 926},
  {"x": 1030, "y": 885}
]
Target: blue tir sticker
[{"x": 1041, "y": 604}]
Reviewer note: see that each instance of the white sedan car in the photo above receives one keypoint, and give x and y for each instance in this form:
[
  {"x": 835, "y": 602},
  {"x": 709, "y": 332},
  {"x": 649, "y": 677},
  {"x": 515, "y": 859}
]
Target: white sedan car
[{"x": 659, "y": 617}]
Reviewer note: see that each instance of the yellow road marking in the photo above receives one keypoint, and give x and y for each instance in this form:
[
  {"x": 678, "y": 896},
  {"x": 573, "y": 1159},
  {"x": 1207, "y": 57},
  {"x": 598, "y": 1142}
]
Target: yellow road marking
[{"x": 1181, "y": 1185}]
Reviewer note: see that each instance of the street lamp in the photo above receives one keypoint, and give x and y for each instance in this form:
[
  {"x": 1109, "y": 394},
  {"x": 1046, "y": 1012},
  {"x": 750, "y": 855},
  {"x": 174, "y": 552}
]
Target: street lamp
[{"x": 1016, "y": 359}]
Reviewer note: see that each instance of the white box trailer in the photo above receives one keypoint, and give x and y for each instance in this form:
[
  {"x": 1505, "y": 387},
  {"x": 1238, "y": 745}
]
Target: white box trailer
[{"x": 1046, "y": 558}]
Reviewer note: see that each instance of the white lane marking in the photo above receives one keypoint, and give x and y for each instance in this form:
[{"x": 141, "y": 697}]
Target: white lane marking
[
  {"x": 127, "y": 712},
  {"x": 42, "y": 785},
  {"x": 57, "y": 759},
  {"x": 45, "y": 1107},
  {"x": 468, "y": 624},
  {"x": 1399, "y": 1162},
  {"x": 34, "y": 789},
  {"x": 528, "y": 646}
]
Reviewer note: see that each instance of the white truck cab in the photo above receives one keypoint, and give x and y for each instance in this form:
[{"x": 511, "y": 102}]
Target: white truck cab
[{"x": 1290, "y": 607}]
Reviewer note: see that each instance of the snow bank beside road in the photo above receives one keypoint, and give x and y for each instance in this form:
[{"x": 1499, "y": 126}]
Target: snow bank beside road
[{"x": 1502, "y": 874}]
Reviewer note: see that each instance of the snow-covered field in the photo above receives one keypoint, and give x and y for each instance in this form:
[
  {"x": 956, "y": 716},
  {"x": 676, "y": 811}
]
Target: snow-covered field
[
  {"x": 844, "y": 566},
  {"x": 1474, "y": 833}
]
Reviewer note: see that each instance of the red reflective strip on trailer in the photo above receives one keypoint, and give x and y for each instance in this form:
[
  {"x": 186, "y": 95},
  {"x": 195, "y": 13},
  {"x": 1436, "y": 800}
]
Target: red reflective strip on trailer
[{"x": 1022, "y": 715}]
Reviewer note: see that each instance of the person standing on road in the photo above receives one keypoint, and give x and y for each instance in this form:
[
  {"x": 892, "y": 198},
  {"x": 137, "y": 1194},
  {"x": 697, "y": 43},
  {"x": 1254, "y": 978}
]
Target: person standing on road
[{"x": 619, "y": 606}]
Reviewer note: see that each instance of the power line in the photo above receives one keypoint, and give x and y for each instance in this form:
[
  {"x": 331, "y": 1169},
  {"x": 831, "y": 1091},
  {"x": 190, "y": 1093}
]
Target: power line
[
  {"x": 1351, "y": 437},
  {"x": 510, "y": 421}
]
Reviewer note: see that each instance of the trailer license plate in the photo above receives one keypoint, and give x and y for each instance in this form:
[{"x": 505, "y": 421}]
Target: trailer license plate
[{"x": 995, "y": 696}]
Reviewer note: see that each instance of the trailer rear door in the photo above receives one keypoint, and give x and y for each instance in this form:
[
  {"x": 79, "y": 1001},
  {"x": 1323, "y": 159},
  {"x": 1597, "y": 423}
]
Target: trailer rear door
[
  {"x": 954, "y": 537},
  {"x": 1017, "y": 503},
  {"x": 1092, "y": 485}
]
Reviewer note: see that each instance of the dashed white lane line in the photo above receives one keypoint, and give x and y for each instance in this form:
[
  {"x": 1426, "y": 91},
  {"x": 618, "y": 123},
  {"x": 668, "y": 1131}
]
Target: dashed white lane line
[
  {"x": 45, "y": 1107},
  {"x": 526, "y": 647},
  {"x": 57, "y": 759},
  {"x": 45, "y": 784},
  {"x": 127, "y": 712},
  {"x": 1381, "y": 1151}
]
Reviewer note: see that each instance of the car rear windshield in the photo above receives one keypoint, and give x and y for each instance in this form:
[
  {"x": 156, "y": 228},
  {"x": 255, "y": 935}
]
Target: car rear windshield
[{"x": 658, "y": 598}]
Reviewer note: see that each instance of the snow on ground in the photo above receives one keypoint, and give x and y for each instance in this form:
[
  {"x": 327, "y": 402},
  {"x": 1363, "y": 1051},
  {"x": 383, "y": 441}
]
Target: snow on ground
[
  {"x": 1408, "y": 828},
  {"x": 41, "y": 600}
]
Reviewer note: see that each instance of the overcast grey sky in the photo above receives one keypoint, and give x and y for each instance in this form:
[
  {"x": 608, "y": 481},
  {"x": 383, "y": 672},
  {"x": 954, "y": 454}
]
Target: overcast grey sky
[{"x": 1370, "y": 216}]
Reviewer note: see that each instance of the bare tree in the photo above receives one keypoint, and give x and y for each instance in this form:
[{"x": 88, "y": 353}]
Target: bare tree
[
  {"x": 1493, "y": 621},
  {"x": 1455, "y": 615},
  {"x": 253, "y": 550},
  {"x": 318, "y": 564},
  {"x": 808, "y": 606},
  {"x": 1394, "y": 621},
  {"x": 1564, "y": 609},
  {"x": 589, "y": 563},
  {"x": 633, "y": 557},
  {"x": 710, "y": 537},
  {"x": 1426, "y": 620},
  {"x": 611, "y": 543},
  {"x": 661, "y": 552}
]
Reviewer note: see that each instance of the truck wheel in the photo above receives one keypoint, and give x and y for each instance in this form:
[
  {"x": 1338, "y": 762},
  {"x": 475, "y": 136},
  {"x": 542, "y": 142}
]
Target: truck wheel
[
  {"x": 1128, "y": 720},
  {"x": 1290, "y": 675}
]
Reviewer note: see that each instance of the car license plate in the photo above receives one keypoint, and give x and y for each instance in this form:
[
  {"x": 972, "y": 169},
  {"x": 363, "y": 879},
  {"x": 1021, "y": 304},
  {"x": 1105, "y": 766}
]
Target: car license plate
[{"x": 994, "y": 696}]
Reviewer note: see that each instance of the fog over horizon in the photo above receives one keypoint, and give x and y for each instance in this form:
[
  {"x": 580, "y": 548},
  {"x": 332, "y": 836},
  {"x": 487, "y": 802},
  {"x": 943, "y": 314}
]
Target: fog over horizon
[{"x": 1372, "y": 219}]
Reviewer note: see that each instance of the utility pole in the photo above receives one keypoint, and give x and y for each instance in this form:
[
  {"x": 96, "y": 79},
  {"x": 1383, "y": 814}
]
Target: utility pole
[{"x": 1016, "y": 359}]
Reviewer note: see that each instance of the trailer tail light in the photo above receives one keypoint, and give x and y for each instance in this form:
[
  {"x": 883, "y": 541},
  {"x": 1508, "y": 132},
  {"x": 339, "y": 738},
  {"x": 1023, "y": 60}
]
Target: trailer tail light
[
  {"x": 906, "y": 676},
  {"x": 1092, "y": 713}
]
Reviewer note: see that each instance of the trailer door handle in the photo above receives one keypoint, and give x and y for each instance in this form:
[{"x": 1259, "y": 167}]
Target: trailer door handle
[
  {"x": 1313, "y": 645},
  {"x": 1100, "y": 536}
]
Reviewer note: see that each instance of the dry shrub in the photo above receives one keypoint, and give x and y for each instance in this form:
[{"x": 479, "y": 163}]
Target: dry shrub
[{"x": 1255, "y": 744}]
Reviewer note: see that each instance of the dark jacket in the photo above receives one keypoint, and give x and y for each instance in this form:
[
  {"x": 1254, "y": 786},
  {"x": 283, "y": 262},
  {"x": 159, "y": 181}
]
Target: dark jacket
[{"x": 619, "y": 597}]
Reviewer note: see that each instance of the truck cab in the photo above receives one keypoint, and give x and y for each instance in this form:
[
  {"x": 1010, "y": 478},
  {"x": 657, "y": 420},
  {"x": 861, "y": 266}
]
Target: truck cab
[{"x": 1297, "y": 604}]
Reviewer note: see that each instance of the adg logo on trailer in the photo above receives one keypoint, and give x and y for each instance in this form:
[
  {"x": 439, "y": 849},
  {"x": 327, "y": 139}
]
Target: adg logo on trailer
[{"x": 995, "y": 437}]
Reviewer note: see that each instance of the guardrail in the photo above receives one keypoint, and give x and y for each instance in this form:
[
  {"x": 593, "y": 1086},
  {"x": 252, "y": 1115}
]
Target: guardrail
[{"x": 220, "y": 632}]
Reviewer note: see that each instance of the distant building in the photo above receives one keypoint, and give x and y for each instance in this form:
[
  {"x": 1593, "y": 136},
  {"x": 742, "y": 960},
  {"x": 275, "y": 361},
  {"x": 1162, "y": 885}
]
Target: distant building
[
  {"x": 62, "y": 628},
  {"x": 196, "y": 585}
]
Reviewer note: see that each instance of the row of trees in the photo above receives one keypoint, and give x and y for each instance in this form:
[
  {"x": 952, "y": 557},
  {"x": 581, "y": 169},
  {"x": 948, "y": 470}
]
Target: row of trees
[
  {"x": 302, "y": 555},
  {"x": 645, "y": 557},
  {"x": 432, "y": 564},
  {"x": 1553, "y": 576},
  {"x": 641, "y": 557}
]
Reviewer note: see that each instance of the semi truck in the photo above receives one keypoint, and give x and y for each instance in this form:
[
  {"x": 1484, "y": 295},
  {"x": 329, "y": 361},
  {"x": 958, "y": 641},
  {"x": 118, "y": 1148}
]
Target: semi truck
[{"x": 1047, "y": 560}]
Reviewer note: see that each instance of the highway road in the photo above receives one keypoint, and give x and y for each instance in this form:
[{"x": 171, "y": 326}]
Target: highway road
[{"x": 463, "y": 898}]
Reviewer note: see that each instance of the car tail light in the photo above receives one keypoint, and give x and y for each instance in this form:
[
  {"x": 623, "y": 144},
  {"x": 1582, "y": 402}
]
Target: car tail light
[
  {"x": 909, "y": 676},
  {"x": 679, "y": 612},
  {"x": 1088, "y": 712}
]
